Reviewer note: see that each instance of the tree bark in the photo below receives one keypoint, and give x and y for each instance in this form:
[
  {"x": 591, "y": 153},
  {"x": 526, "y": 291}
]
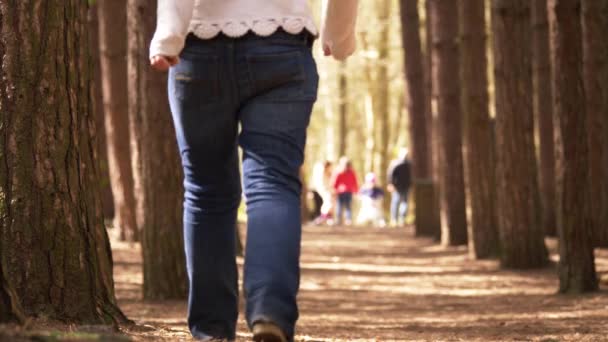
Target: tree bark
[
  {"x": 432, "y": 122},
  {"x": 427, "y": 214},
  {"x": 446, "y": 66},
  {"x": 543, "y": 112},
  {"x": 479, "y": 145},
  {"x": 522, "y": 238},
  {"x": 370, "y": 108},
  {"x": 595, "y": 64},
  {"x": 342, "y": 109},
  {"x": 113, "y": 56},
  {"x": 55, "y": 255},
  {"x": 329, "y": 134},
  {"x": 576, "y": 266},
  {"x": 157, "y": 173},
  {"x": 107, "y": 198},
  {"x": 381, "y": 95}
]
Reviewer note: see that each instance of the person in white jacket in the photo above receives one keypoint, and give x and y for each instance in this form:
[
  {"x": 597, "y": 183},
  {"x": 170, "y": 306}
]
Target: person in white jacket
[{"x": 246, "y": 62}]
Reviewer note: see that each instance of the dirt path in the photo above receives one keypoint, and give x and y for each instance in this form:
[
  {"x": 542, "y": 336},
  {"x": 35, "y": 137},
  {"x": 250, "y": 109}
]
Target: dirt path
[{"x": 364, "y": 284}]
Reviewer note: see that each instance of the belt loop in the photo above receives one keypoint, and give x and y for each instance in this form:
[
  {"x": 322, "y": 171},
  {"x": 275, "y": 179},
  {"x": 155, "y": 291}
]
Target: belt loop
[{"x": 309, "y": 39}]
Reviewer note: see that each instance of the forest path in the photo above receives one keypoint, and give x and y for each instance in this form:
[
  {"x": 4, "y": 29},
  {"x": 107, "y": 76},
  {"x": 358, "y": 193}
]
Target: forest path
[{"x": 366, "y": 284}]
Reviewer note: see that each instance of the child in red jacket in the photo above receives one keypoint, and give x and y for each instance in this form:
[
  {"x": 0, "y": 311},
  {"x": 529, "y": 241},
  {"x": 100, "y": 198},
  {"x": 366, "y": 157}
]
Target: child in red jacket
[{"x": 345, "y": 185}]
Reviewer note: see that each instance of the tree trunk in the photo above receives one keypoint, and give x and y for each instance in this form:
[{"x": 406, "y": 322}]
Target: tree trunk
[
  {"x": 113, "y": 42},
  {"x": 522, "y": 237},
  {"x": 157, "y": 172},
  {"x": 576, "y": 266},
  {"x": 328, "y": 113},
  {"x": 427, "y": 214},
  {"x": 107, "y": 198},
  {"x": 370, "y": 129},
  {"x": 55, "y": 255},
  {"x": 10, "y": 308},
  {"x": 399, "y": 122},
  {"x": 543, "y": 112},
  {"x": 304, "y": 209},
  {"x": 479, "y": 145},
  {"x": 432, "y": 122},
  {"x": 446, "y": 64},
  {"x": 342, "y": 109},
  {"x": 595, "y": 63},
  {"x": 370, "y": 107},
  {"x": 381, "y": 93}
]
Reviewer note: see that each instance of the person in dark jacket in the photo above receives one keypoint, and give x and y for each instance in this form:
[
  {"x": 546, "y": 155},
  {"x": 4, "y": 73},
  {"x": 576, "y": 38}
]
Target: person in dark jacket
[{"x": 399, "y": 182}]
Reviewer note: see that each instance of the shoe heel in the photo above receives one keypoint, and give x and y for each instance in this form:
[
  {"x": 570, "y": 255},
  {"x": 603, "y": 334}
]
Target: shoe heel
[{"x": 268, "y": 332}]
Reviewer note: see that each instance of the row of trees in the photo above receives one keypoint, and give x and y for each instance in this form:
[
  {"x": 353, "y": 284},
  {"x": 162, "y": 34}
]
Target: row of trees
[
  {"x": 549, "y": 63},
  {"x": 55, "y": 257},
  {"x": 472, "y": 133},
  {"x": 488, "y": 121}
]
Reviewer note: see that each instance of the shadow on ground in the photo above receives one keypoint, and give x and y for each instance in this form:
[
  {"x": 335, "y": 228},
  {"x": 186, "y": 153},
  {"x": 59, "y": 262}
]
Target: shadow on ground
[{"x": 366, "y": 284}]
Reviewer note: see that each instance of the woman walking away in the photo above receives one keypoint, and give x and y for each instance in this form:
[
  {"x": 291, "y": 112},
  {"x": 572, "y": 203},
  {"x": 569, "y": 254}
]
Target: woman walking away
[
  {"x": 345, "y": 185},
  {"x": 247, "y": 62}
]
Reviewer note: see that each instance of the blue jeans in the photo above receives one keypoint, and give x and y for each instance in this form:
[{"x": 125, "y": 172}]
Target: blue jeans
[
  {"x": 398, "y": 207},
  {"x": 267, "y": 85},
  {"x": 344, "y": 205}
]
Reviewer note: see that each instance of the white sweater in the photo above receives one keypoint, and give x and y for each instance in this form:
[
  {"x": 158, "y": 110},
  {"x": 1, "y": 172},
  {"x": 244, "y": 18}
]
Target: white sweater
[{"x": 234, "y": 18}]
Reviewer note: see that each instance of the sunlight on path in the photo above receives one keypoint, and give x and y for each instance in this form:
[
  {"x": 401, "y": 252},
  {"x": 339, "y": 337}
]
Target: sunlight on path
[{"x": 365, "y": 284}]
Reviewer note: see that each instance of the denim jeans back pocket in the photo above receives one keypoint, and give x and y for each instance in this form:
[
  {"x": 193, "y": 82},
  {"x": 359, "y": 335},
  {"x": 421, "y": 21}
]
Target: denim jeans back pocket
[
  {"x": 196, "y": 80},
  {"x": 280, "y": 76}
]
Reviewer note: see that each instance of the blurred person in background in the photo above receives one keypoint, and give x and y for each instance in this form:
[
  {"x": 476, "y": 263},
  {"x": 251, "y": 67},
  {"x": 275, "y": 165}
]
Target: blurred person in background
[
  {"x": 399, "y": 178},
  {"x": 371, "y": 196}
]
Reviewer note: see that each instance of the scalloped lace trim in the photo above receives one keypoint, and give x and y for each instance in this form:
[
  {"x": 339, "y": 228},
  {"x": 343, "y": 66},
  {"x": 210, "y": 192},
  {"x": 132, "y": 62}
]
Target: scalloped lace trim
[{"x": 262, "y": 27}]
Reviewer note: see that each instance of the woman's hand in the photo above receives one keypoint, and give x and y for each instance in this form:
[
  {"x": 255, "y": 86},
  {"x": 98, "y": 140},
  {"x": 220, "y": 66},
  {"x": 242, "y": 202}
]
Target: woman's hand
[
  {"x": 326, "y": 50},
  {"x": 163, "y": 63}
]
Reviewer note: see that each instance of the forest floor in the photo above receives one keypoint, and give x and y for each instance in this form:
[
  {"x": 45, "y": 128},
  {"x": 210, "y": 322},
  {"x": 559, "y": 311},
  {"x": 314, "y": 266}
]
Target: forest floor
[{"x": 366, "y": 284}]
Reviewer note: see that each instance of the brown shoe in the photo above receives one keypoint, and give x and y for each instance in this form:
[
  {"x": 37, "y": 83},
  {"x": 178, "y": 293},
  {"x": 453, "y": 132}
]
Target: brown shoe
[
  {"x": 268, "y": 332},
  {"x": 214, "y": 339}
]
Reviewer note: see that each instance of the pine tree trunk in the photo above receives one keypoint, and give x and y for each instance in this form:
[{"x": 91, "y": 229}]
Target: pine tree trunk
[
  {"x": 576, "y": 266},
  {"x": 304, "y": 210},
  {"x": 479, "y": 145},
  {"x": 107, "y": 198},
  {"x": 370, "y": 129},
  {"x": 595, "y": 63},
  {"x": 342, "y": 109},
  {"x": 55, "y": 255},
  {"x": 446, "y": 65},
  {"x": 381, "y": 93},
  {"x": 157, "y": 171},
  {"x": 432, "y": 122},
  {"x": 10, "y": 308},
  {"x": 543, "y": 112},
  {"x": 427, "y": 214},
  {"x": 522, "y": 238},
  {"x": 370, "y": 108},
  {"x": 329, "y": 134},
  {"x": 113, "y": 42}
]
